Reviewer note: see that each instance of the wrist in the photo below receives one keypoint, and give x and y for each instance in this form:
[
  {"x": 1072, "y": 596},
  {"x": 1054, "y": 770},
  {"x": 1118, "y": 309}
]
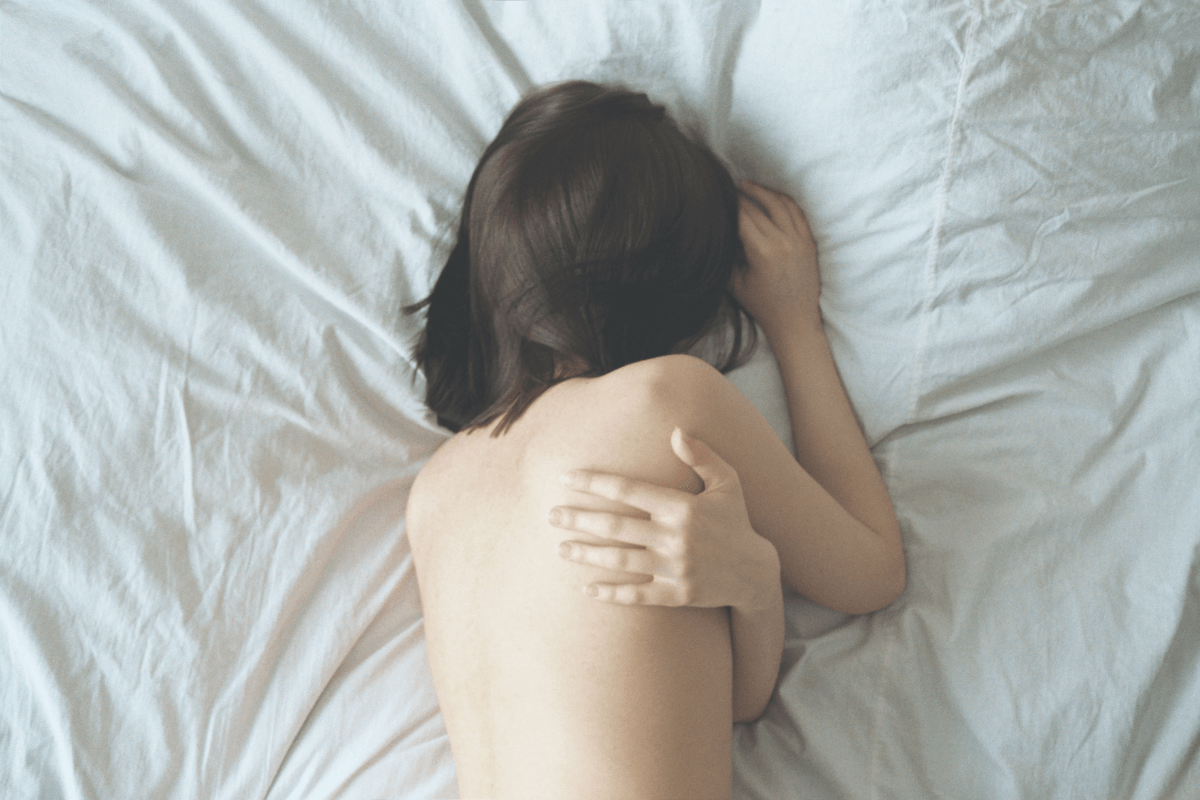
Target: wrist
[{"x": 791, "y": 327}]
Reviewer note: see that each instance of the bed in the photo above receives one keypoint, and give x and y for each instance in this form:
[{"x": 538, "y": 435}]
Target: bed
[{"x": 211, "y": 215}]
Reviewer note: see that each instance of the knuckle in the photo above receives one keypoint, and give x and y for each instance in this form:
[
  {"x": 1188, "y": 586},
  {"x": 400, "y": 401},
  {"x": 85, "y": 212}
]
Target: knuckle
[
  {"x": 674, "y": 517},
  {"x": 620, "y": 560},
  {"x": 676, "y": 546},
  {"x": 622, "y": 488},
  {"x": 688, "y": 515}
]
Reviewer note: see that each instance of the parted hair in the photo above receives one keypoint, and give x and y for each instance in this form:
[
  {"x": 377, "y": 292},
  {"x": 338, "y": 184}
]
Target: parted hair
[{"x": 593, "y": 234}]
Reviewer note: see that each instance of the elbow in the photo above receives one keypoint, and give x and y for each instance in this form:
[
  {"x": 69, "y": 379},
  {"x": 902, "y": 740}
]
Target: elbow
[
  {"x": 750, "y": 703},
  {"x": 880, "y": 592},
  {"x": 748, "y": 712},
  {"x": 894, "y": 584},
  {"x": 880, "y": 577},
  {"x": 888, "y": 588},
  {"x": 891, "y": 576}
]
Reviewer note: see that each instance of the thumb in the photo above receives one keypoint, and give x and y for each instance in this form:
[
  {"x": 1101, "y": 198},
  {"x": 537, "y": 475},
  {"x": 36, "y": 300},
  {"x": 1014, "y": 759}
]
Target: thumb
[{"x": 711, "y": 468}]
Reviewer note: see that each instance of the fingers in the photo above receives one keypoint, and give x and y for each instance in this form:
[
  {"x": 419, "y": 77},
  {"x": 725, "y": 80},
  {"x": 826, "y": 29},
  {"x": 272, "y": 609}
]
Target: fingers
[
  {"x": 649, "y": 497},
  {"x": 750, "y": 213},
  {"x": 660, "y": 590},
  {"x": 654, "y": 593},
  {"x": 753, "y": 218},
  {"x": 602, "y": 523},
  {"x": 798, "y": 217},
  {"x": 658, "y": 501},
  {"x": 618, "y": 559},
  {"x": 754, "y": 226},
  {"x": 712, "y": 469},
  {"x": 775, "y": 205}
]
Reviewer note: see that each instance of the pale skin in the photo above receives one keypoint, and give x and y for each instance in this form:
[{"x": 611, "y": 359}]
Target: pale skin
[
  {"x": 684, "y": 513},
  {"x": 692, "y": 550}
]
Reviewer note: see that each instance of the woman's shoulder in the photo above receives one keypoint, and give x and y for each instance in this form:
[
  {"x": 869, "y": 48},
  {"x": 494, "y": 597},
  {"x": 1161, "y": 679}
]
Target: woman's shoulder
[
  {"x": 644, "y": 393},
  {"x": 672, "y": 368},
  {"x": 681, "y": 384},
  {"x": 622, "y": 421}
]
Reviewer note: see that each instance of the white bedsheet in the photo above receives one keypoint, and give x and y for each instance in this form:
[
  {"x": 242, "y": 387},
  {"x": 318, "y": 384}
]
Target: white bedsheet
[{"x": 211, "y": 214}]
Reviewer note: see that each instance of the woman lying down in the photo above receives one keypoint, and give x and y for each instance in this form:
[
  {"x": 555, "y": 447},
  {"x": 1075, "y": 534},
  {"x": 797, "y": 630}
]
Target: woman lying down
[{"x": 601, "y": 546}]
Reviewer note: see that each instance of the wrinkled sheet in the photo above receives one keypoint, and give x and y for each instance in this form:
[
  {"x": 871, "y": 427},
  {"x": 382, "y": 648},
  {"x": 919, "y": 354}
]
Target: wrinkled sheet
[{"x": 212, "y": 213}]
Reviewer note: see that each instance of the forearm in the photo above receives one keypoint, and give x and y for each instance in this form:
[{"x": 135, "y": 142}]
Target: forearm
[
  {"x": 843, "y": 550},
  {"x": 829, "y": 442},
  {"x": 757, "y": 635}
]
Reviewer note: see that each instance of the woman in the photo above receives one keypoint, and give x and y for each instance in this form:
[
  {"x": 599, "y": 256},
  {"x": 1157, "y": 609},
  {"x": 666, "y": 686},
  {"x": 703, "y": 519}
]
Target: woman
[{"x": 597, "y": 245}]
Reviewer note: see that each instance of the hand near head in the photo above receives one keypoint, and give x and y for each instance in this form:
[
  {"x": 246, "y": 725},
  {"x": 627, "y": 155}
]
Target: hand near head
[
  {"x": 698, "y": 549},
  {"x": 781, "y": 282}
]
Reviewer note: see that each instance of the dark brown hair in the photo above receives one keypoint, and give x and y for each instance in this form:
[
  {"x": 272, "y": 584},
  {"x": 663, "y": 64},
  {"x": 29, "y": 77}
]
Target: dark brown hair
[{"x": 594, "y": 234}]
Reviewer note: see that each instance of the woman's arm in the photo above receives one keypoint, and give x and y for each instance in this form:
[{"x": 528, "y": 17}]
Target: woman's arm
[
  {"x": 829, "y": 443},
  {"x": 757, "y": 636},
  {"x": 826, "y": 511},
  {"x": 780, "y": 288},
  {"x": 756, "y": 624},
  {"x": 696, "y": 550}
]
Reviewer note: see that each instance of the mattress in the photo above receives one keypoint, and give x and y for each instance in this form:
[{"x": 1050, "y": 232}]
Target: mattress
[{"x": 212, "y": 214}]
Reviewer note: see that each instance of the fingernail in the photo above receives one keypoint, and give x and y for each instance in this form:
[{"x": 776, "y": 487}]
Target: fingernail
[
  {"x": 564, "y": 550},
  {"x": 571, "y": 478},
  {"x": 593, "y": 590},
  {"x": 554, "y": 516},
  {"x": 686, "y": 443}
]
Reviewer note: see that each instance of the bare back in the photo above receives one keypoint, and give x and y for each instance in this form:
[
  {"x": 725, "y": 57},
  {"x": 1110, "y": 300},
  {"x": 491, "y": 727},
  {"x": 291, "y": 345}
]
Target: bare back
[{"x": 546, "y": 692}]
